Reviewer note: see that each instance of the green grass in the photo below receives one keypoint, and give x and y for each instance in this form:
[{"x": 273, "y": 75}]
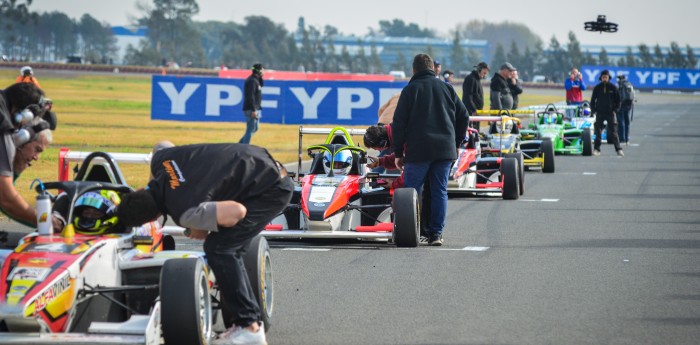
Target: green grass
[{"x": 112, "y": 113}]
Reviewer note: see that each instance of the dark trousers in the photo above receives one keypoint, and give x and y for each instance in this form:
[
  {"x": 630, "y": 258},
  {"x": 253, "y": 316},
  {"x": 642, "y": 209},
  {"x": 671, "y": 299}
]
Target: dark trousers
[
  {"x": 612, "y": 129},
  {"x": 225, "y": 250},
  {"x": 623, "y": 122}
]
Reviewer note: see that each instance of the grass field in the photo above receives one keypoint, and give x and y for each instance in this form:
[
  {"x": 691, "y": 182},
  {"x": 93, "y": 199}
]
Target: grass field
[{"x": 112, "y": 113}]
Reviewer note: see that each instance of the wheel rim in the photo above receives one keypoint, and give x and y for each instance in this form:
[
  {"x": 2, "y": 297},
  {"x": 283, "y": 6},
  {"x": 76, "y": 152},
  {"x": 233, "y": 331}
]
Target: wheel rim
[
  {"x": 267, "y": 284},
  {"x": 205, "y": 313}
]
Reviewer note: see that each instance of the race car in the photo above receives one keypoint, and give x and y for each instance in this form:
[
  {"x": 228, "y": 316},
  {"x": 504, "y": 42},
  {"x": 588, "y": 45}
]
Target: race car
[
  {"x": 566, "y": 139},
  {"x": 504, "y": 139},
  {"x": 474, "y": 175},
  {"x": 336, "y": 199},
  {"x": 116, "y": 286}
]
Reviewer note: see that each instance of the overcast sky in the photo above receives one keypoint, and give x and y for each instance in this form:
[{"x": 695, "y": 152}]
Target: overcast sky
[{"x": 640, "y": 21}]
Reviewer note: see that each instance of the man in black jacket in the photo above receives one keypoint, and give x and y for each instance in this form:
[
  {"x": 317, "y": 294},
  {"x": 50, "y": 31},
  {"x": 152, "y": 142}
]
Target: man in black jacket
[
  {"x": 252, "y": 102},
  {"x": 501, "y": 98},
  {"x": 224, "y": 194},
  {"x": 473, "y": 92},
  {"x": 430, "y": 123},
  {"x": 605, "y": 103}
]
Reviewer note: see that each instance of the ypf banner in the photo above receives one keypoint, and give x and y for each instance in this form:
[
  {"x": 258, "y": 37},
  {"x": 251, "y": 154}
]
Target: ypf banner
[
  {"x": 288, "y": 102},
  {"x": 647, "y": 78}
]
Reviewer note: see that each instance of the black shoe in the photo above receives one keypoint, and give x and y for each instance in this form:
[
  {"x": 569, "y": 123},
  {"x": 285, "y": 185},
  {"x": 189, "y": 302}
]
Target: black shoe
[{"x": 436, "y": 240}]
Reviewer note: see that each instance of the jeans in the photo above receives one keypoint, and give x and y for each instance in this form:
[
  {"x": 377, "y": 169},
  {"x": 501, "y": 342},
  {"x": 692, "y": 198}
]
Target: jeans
[
  {"x": 251, "y": 126},
  {"x": 623, "y": 123},
  {"x": 436, "y": 172}
]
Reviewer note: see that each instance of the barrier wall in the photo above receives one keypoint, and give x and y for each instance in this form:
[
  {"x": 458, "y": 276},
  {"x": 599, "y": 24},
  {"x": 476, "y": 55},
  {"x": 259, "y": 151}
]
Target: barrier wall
[
  {"x": 648, "y": 78},
  {"x": 308, "y": 76},
  {"x": 286, "y": 102}
]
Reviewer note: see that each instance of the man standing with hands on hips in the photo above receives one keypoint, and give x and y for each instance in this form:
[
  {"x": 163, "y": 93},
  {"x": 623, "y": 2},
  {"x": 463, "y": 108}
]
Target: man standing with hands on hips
[
  {"x": 252, "y": 100},
  {"x": 430, "y": 123}
]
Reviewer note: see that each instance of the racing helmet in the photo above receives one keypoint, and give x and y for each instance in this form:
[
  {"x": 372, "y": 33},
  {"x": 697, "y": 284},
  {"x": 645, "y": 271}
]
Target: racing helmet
[
  {"x": 506, "y": 127},
  {"x": 95, "y": 212},
  {"x": 586, "y": 111},
  {"x": 550, "y": 118},
  {"x": 342, "y": 161},
  {"x": 26, "y": 69}
]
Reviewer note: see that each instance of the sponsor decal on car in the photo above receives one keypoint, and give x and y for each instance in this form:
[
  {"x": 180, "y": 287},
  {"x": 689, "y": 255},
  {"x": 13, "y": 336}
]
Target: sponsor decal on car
[
  {"x": 51, "y": 293},
  {"x": 29, "y": 273}
]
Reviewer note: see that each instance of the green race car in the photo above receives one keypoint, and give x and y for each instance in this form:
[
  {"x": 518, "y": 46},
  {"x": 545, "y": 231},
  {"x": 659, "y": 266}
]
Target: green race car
[{"x": 566, "y": 139}]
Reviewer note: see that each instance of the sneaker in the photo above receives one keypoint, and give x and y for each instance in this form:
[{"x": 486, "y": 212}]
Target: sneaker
[
  {"x": 436, "y": 241},
  {"x": 627, "y": 143},
  {"x": 596, "y": 152},
  {"x": 241, "y": 336},
  {"x": 423, "y": 240},
  {"x": 620, "y": 153}
]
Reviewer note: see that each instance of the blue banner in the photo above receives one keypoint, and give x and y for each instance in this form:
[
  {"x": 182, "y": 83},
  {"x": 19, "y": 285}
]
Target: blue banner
[
  {"x": 648, "y": 78},
  {"x": 287, "y": 102}
]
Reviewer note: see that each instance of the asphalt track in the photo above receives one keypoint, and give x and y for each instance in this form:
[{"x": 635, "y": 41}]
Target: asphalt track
[{"x": 603, "y": 251}]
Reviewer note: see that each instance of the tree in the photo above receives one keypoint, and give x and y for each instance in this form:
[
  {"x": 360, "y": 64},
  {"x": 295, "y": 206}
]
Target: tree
[
  {"x": 574, "y": 51},
  {"x": 15, "y": 12},
  {"x": 557, "y": 65},
  {"x": 676, "y": 58},
  {"x": 603, "y": 57},
  {"x": 170, "y": 29},
  {"x": 398, "y": 28},
  {"x": 645, "y": 58},
  {"x": 457, "y": 54},
  {"x": 690, "y": 57},
  {"x": 98, "y": 41},
  {"x": 513, "y": 55},
  {"x": 499, "y": 33},
  {"x": 659, "y": 58},
  {"x": 400, "y": 63},
  {"x": 361, "y": 62},
  {"x": 375, "y": 63},
  {"x": 629, "y": 60},
  {"x": 499, "y": 57},
  {"x": 590, "y": 60}
]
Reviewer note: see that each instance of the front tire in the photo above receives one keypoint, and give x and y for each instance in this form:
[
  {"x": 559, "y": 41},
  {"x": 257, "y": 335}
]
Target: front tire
[
  {"x": 548, "y": 152},
  {"x": 521, "y": 169},
  {"x": 406, "y": 217},
  {"x": 186, "y": 314},
  {"x": 258, "y": 266},
  {"x": 587, "y": 142},
  {"x": 509, "y": 177}
]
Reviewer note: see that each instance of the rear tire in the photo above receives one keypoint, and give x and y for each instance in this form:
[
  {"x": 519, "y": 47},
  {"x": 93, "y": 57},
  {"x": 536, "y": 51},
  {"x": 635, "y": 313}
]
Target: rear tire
[
  {"x": 406, "y": 217},
  {"x": 258, "y": 266},
  {"x": 186, "y": 314},
  {"x": 587, "y": 141},
  {"x": 521, "y": 169},
  {"x": 509, "y": 177},
  {"x": 548, "y": 152}
]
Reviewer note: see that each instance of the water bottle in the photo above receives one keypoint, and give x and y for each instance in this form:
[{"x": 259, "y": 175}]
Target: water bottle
[{"x": 43, "y": 214}]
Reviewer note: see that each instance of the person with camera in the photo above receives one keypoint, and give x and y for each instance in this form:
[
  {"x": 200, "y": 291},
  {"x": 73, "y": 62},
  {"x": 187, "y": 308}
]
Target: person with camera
[
  {"x": 574, "y": 86},
  {"x": 25, "y": 135}
]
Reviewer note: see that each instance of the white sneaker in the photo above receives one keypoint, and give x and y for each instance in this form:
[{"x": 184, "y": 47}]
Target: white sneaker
[
  {"x": 423, "y": 240},
  {"x": 596, "y": 153},
  {"x": 241, "y": 336},
  {"x": 620, "y": 153}
]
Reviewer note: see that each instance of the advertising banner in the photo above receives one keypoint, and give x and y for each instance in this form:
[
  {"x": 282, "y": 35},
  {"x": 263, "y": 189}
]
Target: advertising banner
[
  {"x": 648, "y": 78},
  {"x": 286, "y": 102}
]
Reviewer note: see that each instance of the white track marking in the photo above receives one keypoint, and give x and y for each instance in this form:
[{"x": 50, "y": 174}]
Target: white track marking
[
  {"x": 588, "y": 173},
  {"x": 308, "y": 249}
]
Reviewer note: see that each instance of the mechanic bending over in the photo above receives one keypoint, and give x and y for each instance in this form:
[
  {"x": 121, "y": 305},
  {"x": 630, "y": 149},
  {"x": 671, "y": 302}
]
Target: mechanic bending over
[
  {"x": 25, "y": 135},
  {"x": 224, "y": 194}
]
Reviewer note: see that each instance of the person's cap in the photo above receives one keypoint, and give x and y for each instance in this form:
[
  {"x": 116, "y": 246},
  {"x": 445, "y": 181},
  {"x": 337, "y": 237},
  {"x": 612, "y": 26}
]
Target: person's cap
[
  {"x": 436, "y": 63},
  {"x": 508, "y": 66},
  {"x": 258, "y": 66},
  {"x": 482, "y": 65},
  {"x": 605, "y": 72}
]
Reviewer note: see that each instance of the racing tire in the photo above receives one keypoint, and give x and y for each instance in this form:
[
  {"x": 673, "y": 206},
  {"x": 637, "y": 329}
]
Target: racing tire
[
  {"x": 587, "y": 141},
  {"x": 548, "y": 152},
  {"x": 186, "y": 309},
  {"x": 510, "y": 177},
  {"x": 406, "y": 217},
  {"x": 521, "y": 169},
  {"x": 258, "y": 266}
]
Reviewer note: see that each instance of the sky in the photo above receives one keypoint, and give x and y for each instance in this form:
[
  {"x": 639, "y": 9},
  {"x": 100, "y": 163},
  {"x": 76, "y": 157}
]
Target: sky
[{"x": 640, "y": 21}]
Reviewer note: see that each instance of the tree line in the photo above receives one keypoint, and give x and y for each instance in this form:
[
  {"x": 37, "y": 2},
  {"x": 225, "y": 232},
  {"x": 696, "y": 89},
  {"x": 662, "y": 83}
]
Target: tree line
[{"x": 174, "y": 36}]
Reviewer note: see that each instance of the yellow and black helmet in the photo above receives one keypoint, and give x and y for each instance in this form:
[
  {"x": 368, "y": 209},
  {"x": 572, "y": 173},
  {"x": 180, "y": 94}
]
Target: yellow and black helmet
[{"x": 105, "y": 201}]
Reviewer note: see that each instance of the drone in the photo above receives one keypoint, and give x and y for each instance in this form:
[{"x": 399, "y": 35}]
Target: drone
[{"x": 600, "y": 25}]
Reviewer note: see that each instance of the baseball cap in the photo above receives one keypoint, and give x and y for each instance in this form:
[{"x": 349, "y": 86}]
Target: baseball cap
[
  {"x": 436, "y": 63},
  {"x": 508, "y": 66}
]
